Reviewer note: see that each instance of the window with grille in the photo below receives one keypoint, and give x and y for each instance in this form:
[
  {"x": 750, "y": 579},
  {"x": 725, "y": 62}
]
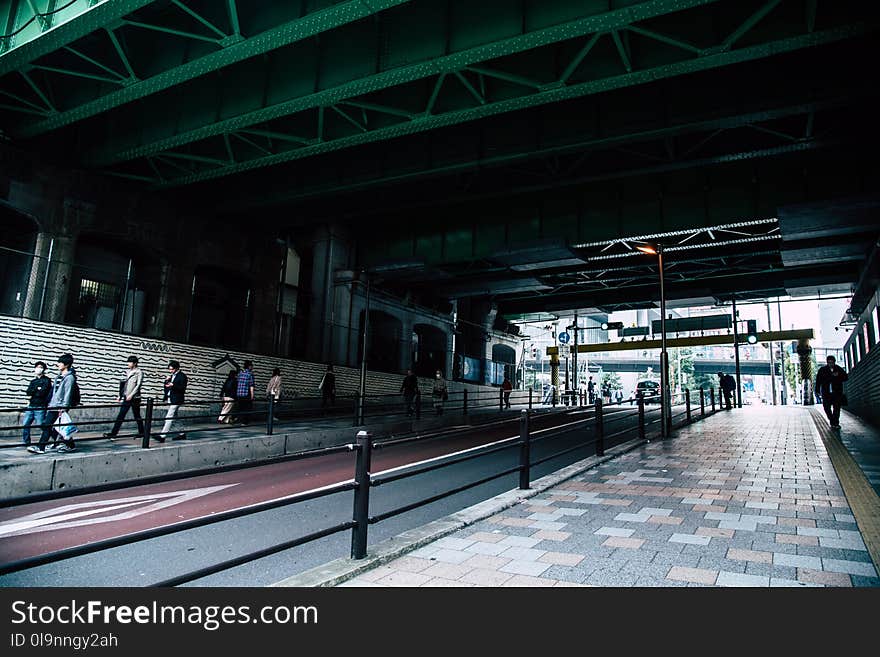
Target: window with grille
[{"x": 102, "y": 294}]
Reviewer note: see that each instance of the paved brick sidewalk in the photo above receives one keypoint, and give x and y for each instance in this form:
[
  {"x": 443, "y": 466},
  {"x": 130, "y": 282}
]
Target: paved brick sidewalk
[{"x": 746, "y": 498}]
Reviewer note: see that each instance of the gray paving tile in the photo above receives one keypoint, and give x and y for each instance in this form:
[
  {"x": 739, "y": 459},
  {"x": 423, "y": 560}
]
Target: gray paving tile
[
  {"x": 522, "y": 554},
  {"x": 614, "y": 531},
  {"x": 532, "y": 568},
  {"x": 849, "y": 567},
  {"x": 726, "y": 578},
  {"x": 690, "y": 539},
  {"x": 519, "y": 541}
]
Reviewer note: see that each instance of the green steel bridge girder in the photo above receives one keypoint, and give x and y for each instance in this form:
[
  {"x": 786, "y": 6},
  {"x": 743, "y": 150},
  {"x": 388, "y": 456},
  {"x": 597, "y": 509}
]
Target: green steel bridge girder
[
  {"x": 93, "y": 17},
  {"x": 528, "y": 153},
  {"x": 234, "y": 48},
  {"x": 449, "y": 64},
  {"x": 425, "y": 122}
]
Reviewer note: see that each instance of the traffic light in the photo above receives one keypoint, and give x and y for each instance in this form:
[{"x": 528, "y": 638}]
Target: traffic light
[
  {"x": 607, "y": 326},
  {"x": 751, "y": 331},
  {"x": 777, "y": 369}
]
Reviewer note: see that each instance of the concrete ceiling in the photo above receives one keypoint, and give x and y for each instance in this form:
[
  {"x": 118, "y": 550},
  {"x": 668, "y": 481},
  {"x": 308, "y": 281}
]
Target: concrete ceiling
[{"x": 514, "y": 150}]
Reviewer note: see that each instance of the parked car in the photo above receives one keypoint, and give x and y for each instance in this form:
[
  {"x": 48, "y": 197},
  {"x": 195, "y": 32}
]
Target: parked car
[{"x": 649, "y": 390}]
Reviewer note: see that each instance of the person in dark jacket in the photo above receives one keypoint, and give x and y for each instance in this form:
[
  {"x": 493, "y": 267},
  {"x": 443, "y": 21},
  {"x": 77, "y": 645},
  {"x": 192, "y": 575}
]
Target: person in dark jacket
[
  {"x": 829, "y": 388},
  {"x": 228, "y": 394},
  {"x": 328, "y": 387},
  {"x": 175, "y": 389},
  {"x": 726, "y": 384},
  {"x": 507, "y": 387},
  {"x": 39, "y": 391},
  {"x": 60, "y": 402},
  {"x": 409, "y": 388}
]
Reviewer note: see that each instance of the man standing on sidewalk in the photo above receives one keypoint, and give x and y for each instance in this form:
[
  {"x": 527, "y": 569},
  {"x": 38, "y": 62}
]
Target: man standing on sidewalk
[
  {"x": 829, "y": 388},
  {"x": 175, "y": 389},
  {"x": 129, "y": 397},
  {"x": 39, "y": 391},
  {"x": 244, "y": 393}
]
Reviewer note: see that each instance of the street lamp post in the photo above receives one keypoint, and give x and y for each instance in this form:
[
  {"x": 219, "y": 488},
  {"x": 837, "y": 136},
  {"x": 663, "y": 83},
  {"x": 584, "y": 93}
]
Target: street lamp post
[
  {"x": 666, "y": 398},
  {"x": 362, "y": 388}
]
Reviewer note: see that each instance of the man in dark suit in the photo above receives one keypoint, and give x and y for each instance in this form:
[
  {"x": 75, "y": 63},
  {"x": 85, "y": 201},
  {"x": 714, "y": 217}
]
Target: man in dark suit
[
  {"x": 829, "y": 388},
  {"x": 175, "y": 389}
]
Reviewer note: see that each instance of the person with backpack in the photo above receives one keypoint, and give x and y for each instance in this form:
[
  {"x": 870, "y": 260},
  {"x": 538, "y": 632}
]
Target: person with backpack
[
  {"x": 65, "y": 395},
  {"x": 39, "y": 391},
  {"x": 129, "y": 397}
]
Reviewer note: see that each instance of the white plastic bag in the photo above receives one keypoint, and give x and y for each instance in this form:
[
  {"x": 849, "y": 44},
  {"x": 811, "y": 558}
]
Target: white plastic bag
[{"x": 64, "y": 425}]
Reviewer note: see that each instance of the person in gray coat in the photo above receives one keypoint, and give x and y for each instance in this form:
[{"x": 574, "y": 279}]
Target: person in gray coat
[
  {"x": 129, "y": 397},
  {"x": 62, "y": 398}
]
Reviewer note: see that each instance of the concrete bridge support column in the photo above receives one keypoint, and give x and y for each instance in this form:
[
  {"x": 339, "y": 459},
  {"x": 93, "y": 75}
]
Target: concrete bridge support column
[
  {"x": 330, "y": 252},
  {"x": 58, "y": 281},
  {"x": 37, "y": 278}
]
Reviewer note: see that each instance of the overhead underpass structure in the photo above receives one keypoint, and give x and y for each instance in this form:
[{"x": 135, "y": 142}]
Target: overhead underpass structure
[{"x": 473, "y": 162}]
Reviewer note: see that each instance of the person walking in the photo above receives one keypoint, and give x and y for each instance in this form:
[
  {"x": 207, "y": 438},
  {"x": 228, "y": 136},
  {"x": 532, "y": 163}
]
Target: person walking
[
  {"x": 409, "y": 388},
  {"x": 506, "y": 387},
  {"x": 39, "y": 391},
  {"x": 328, "y": 387},
  {"x": 591, "y": 390},
  {"x": 227, "y": 392},
  {"x": 273, "y": 388},
  {"x": 63, "y": 397},
  {"x": 175, "y": 394},
  {"x": 244, "y": 393},
  {"x": 439, "y": 392},
  {"x": 724, "y": 381},
  {"x": 829, "y": 388},
  {"x": 129, "y": 397}
]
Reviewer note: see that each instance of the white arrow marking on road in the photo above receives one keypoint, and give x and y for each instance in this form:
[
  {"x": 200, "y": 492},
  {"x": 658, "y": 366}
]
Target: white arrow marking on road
[{"x": 75, "y": 515}]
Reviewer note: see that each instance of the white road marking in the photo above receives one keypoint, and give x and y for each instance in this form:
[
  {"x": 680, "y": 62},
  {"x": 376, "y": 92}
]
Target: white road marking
[{"x": 75, "y": 515}]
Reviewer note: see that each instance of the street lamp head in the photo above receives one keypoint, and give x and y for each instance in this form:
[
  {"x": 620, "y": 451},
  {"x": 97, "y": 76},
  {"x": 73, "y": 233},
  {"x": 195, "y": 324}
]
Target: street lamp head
[{"x": 647, "y": 248}]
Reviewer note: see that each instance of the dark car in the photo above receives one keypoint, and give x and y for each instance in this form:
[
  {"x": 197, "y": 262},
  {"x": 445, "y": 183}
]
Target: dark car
[{"x": 649, "y": 390}]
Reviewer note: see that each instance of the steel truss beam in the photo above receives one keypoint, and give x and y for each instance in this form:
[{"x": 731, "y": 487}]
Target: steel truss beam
[
  {"x": 441, "y": 66},
  {"x": 232, "y": 48},
  {"x": 93, "y": 18},
  {"x": 530, "y": 98},
  {"x": 528, "y": 152},
  {"x": 694, "y": 341}
]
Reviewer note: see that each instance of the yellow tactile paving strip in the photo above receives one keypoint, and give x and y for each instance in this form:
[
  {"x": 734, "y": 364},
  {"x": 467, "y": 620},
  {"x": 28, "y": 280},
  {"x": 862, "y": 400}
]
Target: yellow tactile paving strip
[{"x": 863, "y": 501}]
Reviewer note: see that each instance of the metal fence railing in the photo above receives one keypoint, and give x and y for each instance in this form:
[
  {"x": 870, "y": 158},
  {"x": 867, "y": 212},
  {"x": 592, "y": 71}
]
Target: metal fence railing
[{"x": 595, "y": 424}]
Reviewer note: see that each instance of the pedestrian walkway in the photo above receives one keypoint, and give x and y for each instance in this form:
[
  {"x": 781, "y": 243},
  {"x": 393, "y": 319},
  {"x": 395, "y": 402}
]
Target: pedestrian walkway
[{"x": 744, "y": 498}]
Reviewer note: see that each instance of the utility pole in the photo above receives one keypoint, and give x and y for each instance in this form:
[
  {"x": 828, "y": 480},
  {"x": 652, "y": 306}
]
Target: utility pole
[
  {"x": 772, "y": 359},
  {"x": 784, "y": 392},
  {"x": 739, "y": 399},
  {"x": 574, "y": 355}
]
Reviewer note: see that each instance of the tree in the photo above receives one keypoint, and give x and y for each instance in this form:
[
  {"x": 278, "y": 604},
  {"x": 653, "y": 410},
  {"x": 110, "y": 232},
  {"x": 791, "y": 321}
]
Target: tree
[{"x": 612, "y": 379}]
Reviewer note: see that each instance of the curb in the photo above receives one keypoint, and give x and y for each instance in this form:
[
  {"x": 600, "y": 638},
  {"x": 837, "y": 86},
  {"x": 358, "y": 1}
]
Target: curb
[{"x": 340, "y": 570}]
